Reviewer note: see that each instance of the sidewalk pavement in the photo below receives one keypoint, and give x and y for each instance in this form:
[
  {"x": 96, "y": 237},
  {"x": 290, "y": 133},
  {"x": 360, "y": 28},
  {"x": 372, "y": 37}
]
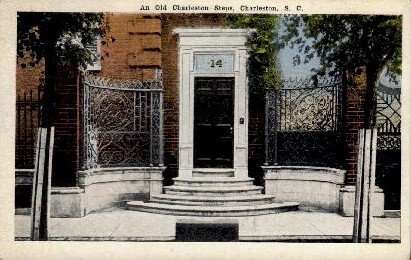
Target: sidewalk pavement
[{"x": 125, "y": 225}]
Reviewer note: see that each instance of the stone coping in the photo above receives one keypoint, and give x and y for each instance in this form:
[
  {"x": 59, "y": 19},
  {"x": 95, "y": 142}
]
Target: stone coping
[
  {"x": 66, "y": 190},
  {"x": 21, "y": 171},
  {"x": 100, "y": 175},
  {"x": 119, "y": 174},
  {"x": 304, "y": 173},
  {"x": 120, "y": 169},
  {"x": 216, "y": 32},
  {"x": 351, "y": 188},
  {"x": 296, "y": 167}
]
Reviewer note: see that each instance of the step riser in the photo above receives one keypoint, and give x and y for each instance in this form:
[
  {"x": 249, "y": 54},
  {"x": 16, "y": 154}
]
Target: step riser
[
  {"x": 213, "y": 203},
  {"x": 213, "y": 184},
  {"x": 213, "y": 213},
  {"x": 216, "y": 194},
  {"x": 213, "y": 174}
]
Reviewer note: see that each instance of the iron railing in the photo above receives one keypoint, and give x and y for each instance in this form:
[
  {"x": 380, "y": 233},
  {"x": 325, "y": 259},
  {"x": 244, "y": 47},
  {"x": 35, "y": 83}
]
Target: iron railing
[
  {"x": 123, "y": 122},
  {"x": 303, "y": 122},
  {"x": 388, "y": 118},
  {"x": 27, "y": 122},
  {"x": 388, "y": 168}
]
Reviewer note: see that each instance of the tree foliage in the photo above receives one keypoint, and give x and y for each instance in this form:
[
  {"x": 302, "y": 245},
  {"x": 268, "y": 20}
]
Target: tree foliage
[
  {"x": 262, "y": 69},
  {"x": 66, "y": 34},
  {"x": 60, "y": 40},
  {"x": 347, "y": 43}
]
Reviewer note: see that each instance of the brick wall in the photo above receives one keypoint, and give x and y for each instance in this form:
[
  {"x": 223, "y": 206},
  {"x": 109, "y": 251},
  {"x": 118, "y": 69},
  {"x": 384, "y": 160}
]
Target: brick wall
[
  {"x": 28, "y": 78},
  {"x": 67, "y": 142},
  {"x": 256, "y": 137},
  {"x": 28, "y": 81},
  {"x": 67, "y": 129},
  {"x": 135, "y": 52},
  {"x": 354, "y": 120}
]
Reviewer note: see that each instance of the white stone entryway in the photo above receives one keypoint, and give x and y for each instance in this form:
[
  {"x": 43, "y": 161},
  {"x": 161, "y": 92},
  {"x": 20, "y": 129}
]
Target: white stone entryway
[
  {"x": 212, "y": 53},
  {"x": 213, "y": 57}
]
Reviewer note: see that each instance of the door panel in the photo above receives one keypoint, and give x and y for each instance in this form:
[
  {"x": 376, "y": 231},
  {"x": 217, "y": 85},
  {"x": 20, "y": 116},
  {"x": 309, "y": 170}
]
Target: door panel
[{"x": 213, "y": 122}]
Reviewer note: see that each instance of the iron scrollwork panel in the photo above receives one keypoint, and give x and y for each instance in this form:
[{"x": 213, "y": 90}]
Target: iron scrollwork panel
[
  {"x": 388, "y": 168},
  {"x": 122, "y": 122},
  {"x": 388, "y": 118},
  {"x": 303, "y": 124},
  {"x": 309, "y": 109}
]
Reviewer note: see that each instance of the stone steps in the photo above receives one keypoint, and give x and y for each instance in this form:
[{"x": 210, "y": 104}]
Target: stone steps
[
  {"x": 213, "y": 181},
  {"x": 212, "y": 190},
  {"x": 213, "y": 172},
  {"x": 212, "y": 211},
  {"x": 257, "y": 199}
]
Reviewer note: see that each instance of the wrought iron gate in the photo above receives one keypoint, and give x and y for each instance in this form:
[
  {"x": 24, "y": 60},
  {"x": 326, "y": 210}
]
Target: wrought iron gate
[
  {"x": 303, "y": 123},
  {"x": 123, "y": 122},
  {"x": 388, "y": 170}
]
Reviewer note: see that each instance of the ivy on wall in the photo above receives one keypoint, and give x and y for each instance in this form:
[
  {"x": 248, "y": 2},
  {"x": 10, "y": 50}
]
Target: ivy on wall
[{"x": 262, "y": 46}]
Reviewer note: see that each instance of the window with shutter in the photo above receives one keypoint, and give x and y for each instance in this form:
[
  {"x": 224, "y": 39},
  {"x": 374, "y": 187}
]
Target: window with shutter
[{"x": 94, "y": 48}]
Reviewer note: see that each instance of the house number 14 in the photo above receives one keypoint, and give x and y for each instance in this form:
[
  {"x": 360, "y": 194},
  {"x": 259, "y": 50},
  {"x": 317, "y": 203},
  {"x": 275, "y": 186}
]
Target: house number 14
[{"x": 216, "y": 63}]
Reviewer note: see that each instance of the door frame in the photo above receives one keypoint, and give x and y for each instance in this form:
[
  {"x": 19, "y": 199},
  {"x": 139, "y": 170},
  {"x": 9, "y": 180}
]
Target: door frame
[
  {"x": 232, "y": 90},
  {"x": 212, "y": 41}
]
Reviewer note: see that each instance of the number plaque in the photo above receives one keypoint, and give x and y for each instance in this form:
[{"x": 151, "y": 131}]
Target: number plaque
[{"x": 214, "y": 63}]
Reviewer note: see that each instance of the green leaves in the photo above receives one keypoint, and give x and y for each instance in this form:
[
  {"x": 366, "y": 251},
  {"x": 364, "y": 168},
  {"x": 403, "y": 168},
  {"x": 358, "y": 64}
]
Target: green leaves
[
  {"x": 59, "y": 32},
  {"x": 262, "y": 47},
  {"x": 347, "y": 41}
]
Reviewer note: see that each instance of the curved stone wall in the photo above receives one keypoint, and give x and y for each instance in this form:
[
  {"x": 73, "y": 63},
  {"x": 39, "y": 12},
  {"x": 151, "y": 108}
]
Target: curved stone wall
[
  {"x": 104, "y": 187},
  {"x": 315, "y": 188}
]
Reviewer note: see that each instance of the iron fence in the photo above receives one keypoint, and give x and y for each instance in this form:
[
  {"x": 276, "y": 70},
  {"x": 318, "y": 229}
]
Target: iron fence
[
  {"x": 303, "y": 123},
  {"x": 123, "y": 122},
  {"x": 388, "y": 118},
  {"x": 27, "y": 122},
  {"x": 388, "y": 168}
]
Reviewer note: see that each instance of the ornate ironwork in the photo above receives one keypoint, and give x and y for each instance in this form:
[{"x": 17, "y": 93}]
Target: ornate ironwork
[
  {"x": 388, "y": 168},
  {"x": 122, "y": 122},
  {"x": 303, "y": 122},
  {"x": 319, "y": 148},
  {"x": 309, "y": 109},
  {"x": 27, "y": 122},
  {"x": 388, "y": 118}
]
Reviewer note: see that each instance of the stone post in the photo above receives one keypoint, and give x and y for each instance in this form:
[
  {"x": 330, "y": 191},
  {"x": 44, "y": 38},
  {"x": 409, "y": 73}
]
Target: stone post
[{"x": 156, "y": 181}]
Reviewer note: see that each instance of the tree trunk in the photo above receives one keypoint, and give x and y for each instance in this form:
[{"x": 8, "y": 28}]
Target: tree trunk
[
  {"x": 47, "y": 121},
  {"x": 49, "y": 94}
]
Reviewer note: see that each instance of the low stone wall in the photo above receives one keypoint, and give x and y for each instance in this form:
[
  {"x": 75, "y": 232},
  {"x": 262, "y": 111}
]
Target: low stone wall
[
  {"x": 108, "y": 186},
  {"x": 347, "y": 201},
  {"x": 100, "y": 188},
  {"x": 316, "y": 188},
  {"x": 312, "y": 187}
]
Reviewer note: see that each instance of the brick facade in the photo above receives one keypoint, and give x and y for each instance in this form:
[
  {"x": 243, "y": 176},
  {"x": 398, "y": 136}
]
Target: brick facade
[
  {"x": 135, "y": 52},
  {"x": 28, "y": 78},
  {"x": 354, "y": 120},
  {"x": 67, "y": 147},
  {"x": 142, "y": 44},
  {"x": 67, "y": 142},
  {"x": 28, "y": 81}
]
